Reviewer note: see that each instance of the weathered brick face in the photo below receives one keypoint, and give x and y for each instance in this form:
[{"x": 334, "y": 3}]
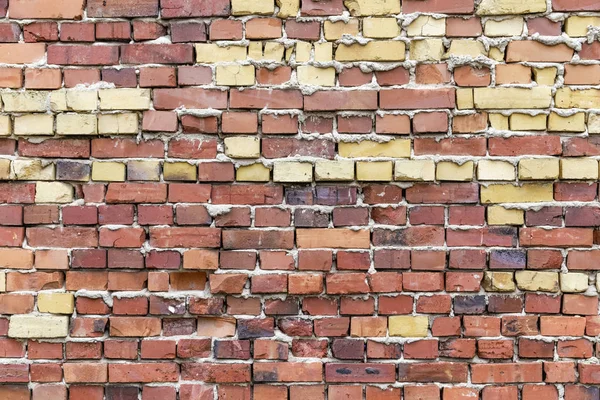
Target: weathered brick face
[{"x": 299, "y": 199}]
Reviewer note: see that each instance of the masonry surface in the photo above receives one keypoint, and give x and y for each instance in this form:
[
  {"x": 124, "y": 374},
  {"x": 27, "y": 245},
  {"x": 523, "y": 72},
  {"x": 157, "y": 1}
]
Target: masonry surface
[{"x": 299, "y": 199}]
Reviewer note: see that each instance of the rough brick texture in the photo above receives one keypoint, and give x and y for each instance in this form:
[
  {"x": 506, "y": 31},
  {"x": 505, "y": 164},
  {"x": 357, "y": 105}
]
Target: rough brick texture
[{"x": 299, "y": 199}]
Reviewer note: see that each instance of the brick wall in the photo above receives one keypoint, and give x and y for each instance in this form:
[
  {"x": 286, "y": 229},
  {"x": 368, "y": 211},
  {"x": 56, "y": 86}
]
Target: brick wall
[{"x": 299, "y": 199}]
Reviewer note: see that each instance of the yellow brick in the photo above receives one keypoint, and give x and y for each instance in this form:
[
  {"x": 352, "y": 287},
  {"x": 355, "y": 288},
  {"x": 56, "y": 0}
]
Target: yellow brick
[
  {"x": 143, "y": 170},
  {"x": 5, "y": 125},
  {"x": 5, "y": 169},
  {"x": 537, "y": 281},
  {"x": 335, "y": 30},
  {"x": 2, "y": 281},
  {"x": 55, "y": 303},
  {"x": 526, "y": 122},
  {"x": 32, "y": 170},
  {"x": 118, "y": 124},
  {"x": 577, "y": 26},
  {"x": 488, "y": 170},
  {"x": 309, "y": 75},
  {"x": 464, "y": 99},
  {"x": 586, "y": 98},
  {"x": 292, "y": 171},
  {"x": 571, "y": 123},
  {"x": 426, "y": 50},
  {"x": 508, "y": 98},
  {"x": 29, "y": 101},
  {"x": 248, "y": 7},
  {"x": 496, "y": 54},
  {"x": 53, "y": 192},
  {"x": 539, "y": 169},
  {"x": 497, "y": 215},
  {"x": 367, "y": 148},
  {"x": 253, "y": 173},
  {"x": 74, "y": 100},
  {"x": 272, "y": 51},
  {"x": 179, "y": 171},
  {"x": 374, "y": 171},
  {"x": 242, "y": 147},
  {"x": 38, "y": 326},
  {"x": 76, "y": 124},
  {"x": 34, "y": 124},
  {"x": 574, "y": 282},
  {"x": 327, "y": 170},
  {"x": 372, "y": 51},
  {"x": 288, "y": 8},
  {"x": 593, "y": 123},
  {"x": 498, "y": 282},
  {"x": 108, "y": 171},
  {"x": 499, "y": 122},
  {"x": 381, "y": 28},
  {"x": 414, "y": 170},
  {"x": 526, "y": 193},
  {"x": 408, "y": 326},
  {"x": 235, "y": 75},
  {"x": 449, "y": 171},
  {"x": 466, "y": 48},
  {"x": 124, "y": 99},
  {"x": 323, "y": 52},
  {"x": 545, "y": 76},
  {"x": 578, "y": 168},
  {"x": 506, "y": 27},
  {"x": 372, "y": 7},
  {"x": 425, "y": 25},
  {"x": 508, "y": 7},
  {"x": 211, "y": 53},
  {"x": 303, "y": 50}
]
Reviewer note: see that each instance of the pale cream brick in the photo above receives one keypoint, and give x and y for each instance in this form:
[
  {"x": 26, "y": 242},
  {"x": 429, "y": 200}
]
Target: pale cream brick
[
  {"x": 537, "y": 281},
  {"x": 29, "y": 101},
  {"x": 539, "y": 169},
  {"x": 56, "y": 303},
  {"x": 242, "y": 147},
  {"x": 577, "y": 26},
  {"x": 364, "y": 8},
  {"x": 508, "y": 98},
  {"x": 309, "y": 75},
  {"x": 367, "y": 148},
  {"x": 497, "y": 215},
  {"x": 408, "y": 326},
  {"x": 450, "y": 171},
  {"x": 5, "y": 125},
  {"x": 329, "y": 170},
  {"x": 506, "y": 27},
  {"x": 108, "y": 171},
  {"x": 489, "y": 170},
  {"x": 32, "y": 170},
  {"x": 323, "y": 52},
  {"x": 249, "y": 7},
  {"x": 235, "y": 75},
  {"x": 496, "y": 54},
  {"x": 585, "y": 98},
  {"x": 466, "y": 48},
  {"x": 288, "y": 8},
  {"x": 334, "y": 30},
  {"x": 499, "y": 122},
  {"x": 593, "y": 123},
  {"x": 118, "y": 124},
  {"x": 253, "y": 173},
  {"x": 578, "y": 168},
  {"x": 179, "y": 171},
  {"x": 545, "y": 76},
  {"x": 508, "y": 7},
  {"x": 526, "y": 122},
  {"x": 209, "y": 53},
  {"x": 53, "y": 192},
  {"x": 498, "y": 282},
  {"x": 272, "y": 51},
  {"x": 570, "y": 123},
  {"x": 82, "y": 100},
  {"x": 372, "y": 51},
  {"x": 34, "y": 124},
  {"x": 124, "y": 99},
  {"x": 573, "y": 282},
  {"x": 76, "y": 124},
  {"x": 526, "y": 193},
  {"x": 38, "y": 326},
  {"x": 303, "y": 50},
  {"x": 426, "y": 50},
  {"x": 381, "y": 28},
  {"x": 426, "y": 25},
  {"x": 292, "y": 171},
  {"x": 414, "y": 170},
  {"x": 464, "y": 99},
  {"x": 374, "y": 171},
  {"x": 5, "y": 170}
]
